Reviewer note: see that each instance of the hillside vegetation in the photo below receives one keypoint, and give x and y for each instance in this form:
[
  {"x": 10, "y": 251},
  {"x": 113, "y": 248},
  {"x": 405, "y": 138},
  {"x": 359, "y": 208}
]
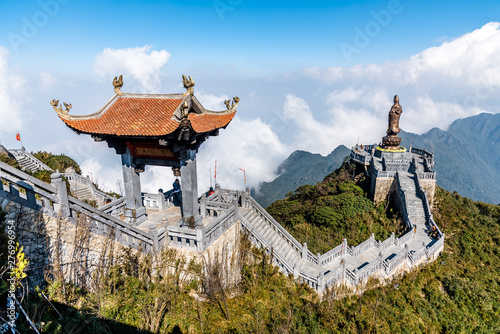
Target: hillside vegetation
[{"x": 336, "y": 208}]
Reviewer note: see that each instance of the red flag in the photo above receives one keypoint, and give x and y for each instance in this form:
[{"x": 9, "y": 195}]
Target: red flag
[
  {"x": 215, "y": 174},
  {"x": 18, "y": 137}
]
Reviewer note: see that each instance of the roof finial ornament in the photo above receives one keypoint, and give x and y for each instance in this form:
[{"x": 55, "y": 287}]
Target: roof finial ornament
[
  {"x": 118, "y": 83},
  {"x": 188, "y": 83},
  {"x": 184, "y": 110},
  {"x": 59, "y": 109},
  {"x": 232, "y": 106}
]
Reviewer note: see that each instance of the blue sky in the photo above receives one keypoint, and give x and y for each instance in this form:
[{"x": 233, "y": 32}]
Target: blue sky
[{"x": 305, "y": 72}]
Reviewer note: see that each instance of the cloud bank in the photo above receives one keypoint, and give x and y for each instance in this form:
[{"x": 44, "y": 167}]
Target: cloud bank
[
  {"x": 12, "y": 95},
  {"x": 456, "y": 79},
  {"x": 140, "y": 64}
]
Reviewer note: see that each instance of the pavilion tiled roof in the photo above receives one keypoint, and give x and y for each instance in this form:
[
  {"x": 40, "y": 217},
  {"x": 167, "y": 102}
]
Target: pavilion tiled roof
[{"x": 144, "y": 116}]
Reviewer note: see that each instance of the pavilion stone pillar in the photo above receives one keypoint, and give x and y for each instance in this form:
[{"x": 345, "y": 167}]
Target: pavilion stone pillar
[
  {"x": 135, "y": 213},
  {"x": 189, "y": 188}
]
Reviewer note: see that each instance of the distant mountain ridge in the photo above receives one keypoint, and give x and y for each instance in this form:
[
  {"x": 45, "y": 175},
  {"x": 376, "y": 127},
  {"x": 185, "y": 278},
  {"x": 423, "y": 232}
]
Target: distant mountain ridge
[
  {"x": 467, "y": 156},
  {"x": 299, "y": 169},
  {"x": 467, "y": 160}
]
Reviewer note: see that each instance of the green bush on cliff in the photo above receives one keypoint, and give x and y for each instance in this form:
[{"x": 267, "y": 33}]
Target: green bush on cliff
[
  {"x": 336, "y": 208},
  {"x": 57, "y": 162}
]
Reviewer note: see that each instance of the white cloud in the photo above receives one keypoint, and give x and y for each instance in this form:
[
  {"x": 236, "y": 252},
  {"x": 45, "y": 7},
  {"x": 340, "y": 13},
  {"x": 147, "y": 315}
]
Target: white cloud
[
  {"x": 343, "y": 126},
  {"x": 456, "y": 79},
  {"x": 247, "y": 144},
  {"x": 212, "y": 102},
  {"x": 139, "y": 63},
  {"x": 47, "y": 80},
  {"x": 12, "y": 95}
]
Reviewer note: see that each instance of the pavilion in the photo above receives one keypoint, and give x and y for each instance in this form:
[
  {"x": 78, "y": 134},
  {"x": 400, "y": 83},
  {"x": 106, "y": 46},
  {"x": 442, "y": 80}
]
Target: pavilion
[{"x": 153, "y": 129}]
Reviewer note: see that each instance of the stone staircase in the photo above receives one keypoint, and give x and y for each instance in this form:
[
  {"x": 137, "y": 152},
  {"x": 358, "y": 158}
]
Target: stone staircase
[
  {"x": 278, "y": 243},
  {"x": 28, "y": 162},
  {"x": 81, "y": 191},
  {"x": 416, "y": 214}
]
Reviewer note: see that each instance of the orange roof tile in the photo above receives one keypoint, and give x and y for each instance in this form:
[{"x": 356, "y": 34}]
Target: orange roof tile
[
  {"x": 208, "y": 122},
  {"x": 143, "y": 116}
]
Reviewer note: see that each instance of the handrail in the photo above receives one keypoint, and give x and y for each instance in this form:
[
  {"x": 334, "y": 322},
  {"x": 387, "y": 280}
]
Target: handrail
[
  {"x": 275, "y": 224},
  {"x": 105, "y": 218},
  {"x": 428, "y": 214},
  {"x": 264, "y": 242},
  {"x": 217, "y": 223},
  {"x": 86, "y": 181},
  {"x": 277, "y": 256},
  {"x": 26, "y": 177}
]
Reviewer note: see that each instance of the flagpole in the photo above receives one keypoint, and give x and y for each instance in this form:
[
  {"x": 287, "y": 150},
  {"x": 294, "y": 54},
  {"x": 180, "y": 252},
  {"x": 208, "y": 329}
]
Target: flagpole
[
  {"x": 244, "y": 177},
  {"x": 215, "y": 175}
]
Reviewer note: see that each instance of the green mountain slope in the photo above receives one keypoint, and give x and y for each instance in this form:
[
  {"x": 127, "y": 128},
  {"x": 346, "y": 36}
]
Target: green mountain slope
[{"x": 299, "y": 169}]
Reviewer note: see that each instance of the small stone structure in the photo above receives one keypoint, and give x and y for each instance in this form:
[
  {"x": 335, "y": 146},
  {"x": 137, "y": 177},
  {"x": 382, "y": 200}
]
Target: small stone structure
[{"x": 382, "y": 166}]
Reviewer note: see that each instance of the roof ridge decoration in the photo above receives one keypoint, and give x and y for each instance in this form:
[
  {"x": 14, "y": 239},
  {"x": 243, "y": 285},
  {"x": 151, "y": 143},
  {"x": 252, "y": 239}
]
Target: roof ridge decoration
[
  {"x": 58, "y": 108},
  {"x": 188, "y": 83},
  {"x": 234, "y": 105},
  {"x": 118, "y": 84}
]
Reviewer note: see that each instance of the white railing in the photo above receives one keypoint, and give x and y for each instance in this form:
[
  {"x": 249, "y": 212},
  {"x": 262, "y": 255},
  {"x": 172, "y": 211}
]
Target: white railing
[
  {"x": 277, "y": 227},
  {"x": 86, "y": 182},
  {"x": 363, "y": 247},
  {"x": 116, "y": 207}
]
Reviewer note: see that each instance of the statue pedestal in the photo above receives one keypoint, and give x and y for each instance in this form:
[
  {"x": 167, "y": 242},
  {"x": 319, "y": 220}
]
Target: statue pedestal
[{"x": 391, "y": 142}]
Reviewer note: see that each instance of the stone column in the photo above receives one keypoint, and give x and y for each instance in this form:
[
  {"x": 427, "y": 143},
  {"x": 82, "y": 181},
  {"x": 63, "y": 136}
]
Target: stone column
[
  {"x": 62, "y": 206},
  {"x": 135, "y": 213},
  {"x": 189, "y": 189}
]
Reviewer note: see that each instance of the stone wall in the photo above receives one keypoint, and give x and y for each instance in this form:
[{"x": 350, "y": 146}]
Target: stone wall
[
  {"x": 381, "y": 188},
  {"x": 429, "y": 186},
  {"x": 51, "y": 243}
]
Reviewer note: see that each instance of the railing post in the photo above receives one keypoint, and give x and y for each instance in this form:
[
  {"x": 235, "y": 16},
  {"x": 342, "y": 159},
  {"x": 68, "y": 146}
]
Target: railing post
[
  {"x": 295, "y": 271},
  {"x": 217, "y": 189},
  {"x": 344, "y": 247},
  {"x": 161, "y": 201},
  {"x": 304, "y": 251},
  {"x": 203, "y": 205},
  {"x": 154, "y": 233},
  {"x": 62, "y": 194},
  {"x": 200, "y": 239},
  {"x": 321, "y": 283}
]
